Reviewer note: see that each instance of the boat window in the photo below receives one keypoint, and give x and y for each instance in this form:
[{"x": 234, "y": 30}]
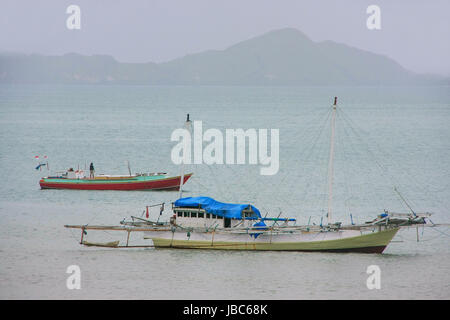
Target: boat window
[
  {"x": 180, "y": 214},
  {"x": 214, "y": 216},
  {"x": 200, "y": 215},
  {"x": 193, "y": 214},
  {"x": 186, "y": 214},
  {"x": 219, "y": 217},
  {"x": 208, "y": 216}
]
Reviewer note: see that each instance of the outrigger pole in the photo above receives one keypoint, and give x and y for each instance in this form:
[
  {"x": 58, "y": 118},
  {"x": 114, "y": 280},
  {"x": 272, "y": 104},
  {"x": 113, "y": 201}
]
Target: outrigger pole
[
  {"x": 113, "y": 244},
  {"x": 188, "y": 128},
  {"x": 403, "y": 199},
  {"x": 330, "y": 162}
]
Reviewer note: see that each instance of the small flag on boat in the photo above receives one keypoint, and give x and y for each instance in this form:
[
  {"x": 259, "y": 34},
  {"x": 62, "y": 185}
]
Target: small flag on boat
[
  {"x": 146, "y": 213},
  {"x": 40, "y": 165}
]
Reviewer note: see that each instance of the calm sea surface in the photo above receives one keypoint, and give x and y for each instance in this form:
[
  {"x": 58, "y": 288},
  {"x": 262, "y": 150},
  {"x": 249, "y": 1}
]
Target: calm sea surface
[{"x": 385, "y": 137}]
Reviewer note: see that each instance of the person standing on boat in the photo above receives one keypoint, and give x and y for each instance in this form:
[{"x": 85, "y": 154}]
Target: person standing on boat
[{"x": 91, "y": 168}]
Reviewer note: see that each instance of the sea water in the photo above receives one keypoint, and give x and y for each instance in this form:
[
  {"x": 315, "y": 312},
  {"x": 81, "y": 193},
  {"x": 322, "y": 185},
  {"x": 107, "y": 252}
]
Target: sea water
[{"x": 386, "y": 137}]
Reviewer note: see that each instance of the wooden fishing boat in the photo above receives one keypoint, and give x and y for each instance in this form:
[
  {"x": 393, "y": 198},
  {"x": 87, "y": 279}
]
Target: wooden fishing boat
[
  {"x": 157, "y": 181},
  {"x": 204, "y": 223},
  {"x": 78, "y": 179}
]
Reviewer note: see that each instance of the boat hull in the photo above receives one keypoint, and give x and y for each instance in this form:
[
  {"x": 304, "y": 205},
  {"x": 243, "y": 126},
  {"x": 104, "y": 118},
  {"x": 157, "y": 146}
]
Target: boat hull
[
  {"x": 139, "y": 183},
  {"x": 374, "y": 242}
]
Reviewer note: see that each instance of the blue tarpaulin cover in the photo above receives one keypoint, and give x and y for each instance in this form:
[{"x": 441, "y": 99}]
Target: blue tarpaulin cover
[
  {"x": 259, "y": 225},
  {"x": 227, "y": 210}
]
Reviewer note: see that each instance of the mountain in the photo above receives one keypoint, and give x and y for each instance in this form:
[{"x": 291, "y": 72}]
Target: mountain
[{"x": 280, "y": 57}]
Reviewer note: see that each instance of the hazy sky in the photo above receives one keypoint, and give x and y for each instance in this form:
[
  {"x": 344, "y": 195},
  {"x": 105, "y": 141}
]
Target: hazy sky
[{"x": 414, "y": 33}]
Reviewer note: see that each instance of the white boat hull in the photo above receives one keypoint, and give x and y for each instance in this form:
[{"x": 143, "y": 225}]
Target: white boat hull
[{"x": 339, "y": 241}]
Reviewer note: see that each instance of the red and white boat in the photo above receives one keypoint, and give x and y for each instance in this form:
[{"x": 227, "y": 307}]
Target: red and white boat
[{"x": 77, "y": 180}]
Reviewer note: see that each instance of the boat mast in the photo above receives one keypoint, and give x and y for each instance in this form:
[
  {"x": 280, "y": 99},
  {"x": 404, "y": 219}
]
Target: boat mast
[
  {"x": 187, "y": 125},
  {"x": 330, "y": 161},
  {"x": 129, "y": 169}
]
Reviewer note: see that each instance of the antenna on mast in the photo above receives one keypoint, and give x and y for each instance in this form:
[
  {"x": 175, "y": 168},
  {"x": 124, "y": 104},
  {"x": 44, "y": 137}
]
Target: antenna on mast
[
  {"x": 129, "y": 169},
  {"x": 187, "y": 124}
]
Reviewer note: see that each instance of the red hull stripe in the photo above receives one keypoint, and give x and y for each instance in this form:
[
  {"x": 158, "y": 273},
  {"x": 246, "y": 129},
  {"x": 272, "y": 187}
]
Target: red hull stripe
[
  {"x": 170, "y": 183},
  {"x": 378, "y": 249}
]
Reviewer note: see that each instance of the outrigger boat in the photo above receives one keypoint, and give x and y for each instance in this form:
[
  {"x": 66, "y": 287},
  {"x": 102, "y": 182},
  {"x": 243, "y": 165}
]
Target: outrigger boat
[
  {"x": 142, "y": 181},
  {"x": 204, "y": 223}
]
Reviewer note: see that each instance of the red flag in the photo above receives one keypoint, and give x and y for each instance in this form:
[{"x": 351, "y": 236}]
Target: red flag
[{"x": 146, "y": 214}]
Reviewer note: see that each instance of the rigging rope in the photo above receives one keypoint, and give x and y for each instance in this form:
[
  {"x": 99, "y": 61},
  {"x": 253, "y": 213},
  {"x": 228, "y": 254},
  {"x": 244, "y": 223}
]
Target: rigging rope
[
  {"x": 412, "y": 177},
  {"x": 315, "y": 137},
  {"x": 286, "y": 173},
  {"x": 343, "y": 148}
]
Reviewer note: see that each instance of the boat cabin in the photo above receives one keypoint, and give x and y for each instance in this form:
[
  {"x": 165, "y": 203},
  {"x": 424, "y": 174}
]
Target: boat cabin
[
  {"x": 198, "y": 217},
  {"x": 71, "y": 174}
]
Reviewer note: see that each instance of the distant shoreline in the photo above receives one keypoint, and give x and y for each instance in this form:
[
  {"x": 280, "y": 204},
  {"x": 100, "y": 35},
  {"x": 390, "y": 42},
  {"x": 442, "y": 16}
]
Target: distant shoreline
[{"x": 284, "y": 57}]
